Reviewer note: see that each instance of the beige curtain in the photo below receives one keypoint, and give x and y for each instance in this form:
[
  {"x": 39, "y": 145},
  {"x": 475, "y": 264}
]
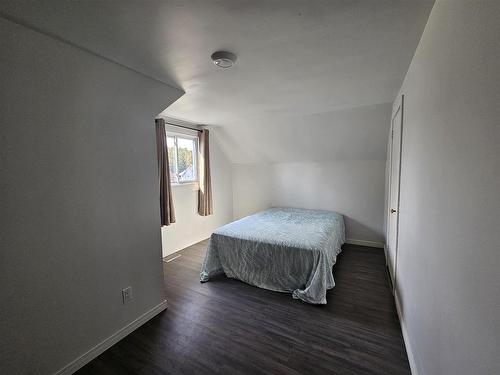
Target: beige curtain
[
  {"x": 205, "y": 193},
  {"x": 166, "y": 204}
]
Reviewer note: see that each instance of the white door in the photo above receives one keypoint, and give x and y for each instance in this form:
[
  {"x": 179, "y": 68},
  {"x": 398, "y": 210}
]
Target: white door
[{"x": 394, "y": 184}]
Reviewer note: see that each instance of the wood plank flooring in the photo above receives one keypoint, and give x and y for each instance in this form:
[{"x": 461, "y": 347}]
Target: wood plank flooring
[{"x": 228, "y": 327}]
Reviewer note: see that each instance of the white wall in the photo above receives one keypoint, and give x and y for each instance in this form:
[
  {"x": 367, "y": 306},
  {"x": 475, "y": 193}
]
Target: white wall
[
  {"x": 253, "y": 186},
  {"x": 332, "y": 161},
  {"x": 448, "y": 278},
  {"x": 352, "y": 188},
  {"x": 190, "y": 227},
  {"x": 79, "y": 199}
]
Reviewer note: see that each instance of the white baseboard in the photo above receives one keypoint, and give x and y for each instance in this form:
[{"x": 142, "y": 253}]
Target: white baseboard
[
  {"x": 409, "y": 350},
  {"x": 353, "y": 241},
  {"x": 110, "y": 341}
]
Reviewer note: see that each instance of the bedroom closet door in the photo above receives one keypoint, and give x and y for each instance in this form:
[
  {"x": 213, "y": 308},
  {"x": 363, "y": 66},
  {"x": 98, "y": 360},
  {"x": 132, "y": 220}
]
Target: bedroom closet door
[{"x": 394, "y": 185}]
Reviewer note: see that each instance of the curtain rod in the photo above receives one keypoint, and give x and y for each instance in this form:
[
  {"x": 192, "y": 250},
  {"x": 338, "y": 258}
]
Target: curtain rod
[{"x": 182, "y": 126}]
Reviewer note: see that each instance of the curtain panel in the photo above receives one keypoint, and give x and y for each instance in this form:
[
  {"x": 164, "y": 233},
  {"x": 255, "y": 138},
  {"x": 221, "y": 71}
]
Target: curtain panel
[
  {"x": 205, "y": 206},
  {"x": 167, "y": 212}
]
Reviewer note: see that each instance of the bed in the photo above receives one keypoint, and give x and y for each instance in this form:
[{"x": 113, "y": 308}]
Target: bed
[{"x": 282, "y": 249}]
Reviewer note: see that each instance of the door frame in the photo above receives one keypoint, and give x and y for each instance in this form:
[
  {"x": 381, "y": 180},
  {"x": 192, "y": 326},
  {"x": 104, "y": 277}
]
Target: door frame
[{"x": 399, "y": 109}]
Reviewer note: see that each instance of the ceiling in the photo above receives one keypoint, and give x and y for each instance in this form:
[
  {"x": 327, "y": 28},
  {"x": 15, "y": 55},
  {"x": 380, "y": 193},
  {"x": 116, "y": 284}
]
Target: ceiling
[
  {"x": 359, "y": 133},
  {"x": 294, "y": 57}
]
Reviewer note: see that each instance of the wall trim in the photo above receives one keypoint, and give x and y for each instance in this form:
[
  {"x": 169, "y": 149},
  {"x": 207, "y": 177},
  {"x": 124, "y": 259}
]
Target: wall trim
[
  {"x": 353, "y": 241},
  {"x": 111, "y": 340},
  {"x": 406, "y": 338}
]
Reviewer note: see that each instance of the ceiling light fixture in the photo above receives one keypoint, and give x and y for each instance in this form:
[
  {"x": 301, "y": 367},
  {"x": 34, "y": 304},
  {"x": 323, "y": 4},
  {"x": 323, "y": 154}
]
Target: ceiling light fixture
[{"x": 223, "y": 59}]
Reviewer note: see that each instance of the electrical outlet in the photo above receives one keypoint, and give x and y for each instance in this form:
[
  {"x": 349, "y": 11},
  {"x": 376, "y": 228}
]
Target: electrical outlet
[{"x": 127, "y": 294}]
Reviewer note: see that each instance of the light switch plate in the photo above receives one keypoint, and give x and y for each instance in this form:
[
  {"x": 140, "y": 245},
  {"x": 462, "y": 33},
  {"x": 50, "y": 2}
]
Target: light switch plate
[{"x": 127, "y": 294}]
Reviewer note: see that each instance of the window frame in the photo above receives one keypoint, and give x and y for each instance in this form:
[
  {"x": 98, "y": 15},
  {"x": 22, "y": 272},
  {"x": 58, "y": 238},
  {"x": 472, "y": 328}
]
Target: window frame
[{"x": 195, "y": 140}]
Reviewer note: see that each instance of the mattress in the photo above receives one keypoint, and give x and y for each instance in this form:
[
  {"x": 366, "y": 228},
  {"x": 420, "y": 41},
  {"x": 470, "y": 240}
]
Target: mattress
[{"x": 282, "y": 249}]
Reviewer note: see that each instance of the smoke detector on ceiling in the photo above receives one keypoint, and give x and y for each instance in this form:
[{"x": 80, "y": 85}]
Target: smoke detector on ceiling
[{"x": 223, "y": 59}]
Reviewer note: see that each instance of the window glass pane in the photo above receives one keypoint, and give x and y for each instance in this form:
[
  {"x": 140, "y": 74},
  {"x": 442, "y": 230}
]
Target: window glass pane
[
  {"x": 171, "y": 158},
  {"x": 186, "y": 159}
]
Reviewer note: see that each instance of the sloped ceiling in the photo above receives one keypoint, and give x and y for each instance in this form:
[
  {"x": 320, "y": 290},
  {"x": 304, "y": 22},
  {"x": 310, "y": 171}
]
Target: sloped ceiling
[
  {"x": 348, "y": 134},
  {"x": 298, "y": 61}
]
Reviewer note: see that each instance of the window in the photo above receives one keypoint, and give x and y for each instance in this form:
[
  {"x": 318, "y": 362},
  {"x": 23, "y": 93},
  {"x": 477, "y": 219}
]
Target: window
[{"x": 182, "y": 157}]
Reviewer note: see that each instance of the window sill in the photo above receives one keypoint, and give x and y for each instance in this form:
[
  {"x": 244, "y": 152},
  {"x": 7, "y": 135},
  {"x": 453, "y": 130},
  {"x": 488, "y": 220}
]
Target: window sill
[{"x": 191, "y": 185}]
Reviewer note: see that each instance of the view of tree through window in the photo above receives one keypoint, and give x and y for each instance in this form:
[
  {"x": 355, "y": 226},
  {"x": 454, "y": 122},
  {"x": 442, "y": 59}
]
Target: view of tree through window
[
  {"x": 171, "y": 158},
  {"x": 182, "y": 158}
]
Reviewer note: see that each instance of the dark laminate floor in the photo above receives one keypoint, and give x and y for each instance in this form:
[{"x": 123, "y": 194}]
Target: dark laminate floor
[{"x": 227, "y": 327}]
